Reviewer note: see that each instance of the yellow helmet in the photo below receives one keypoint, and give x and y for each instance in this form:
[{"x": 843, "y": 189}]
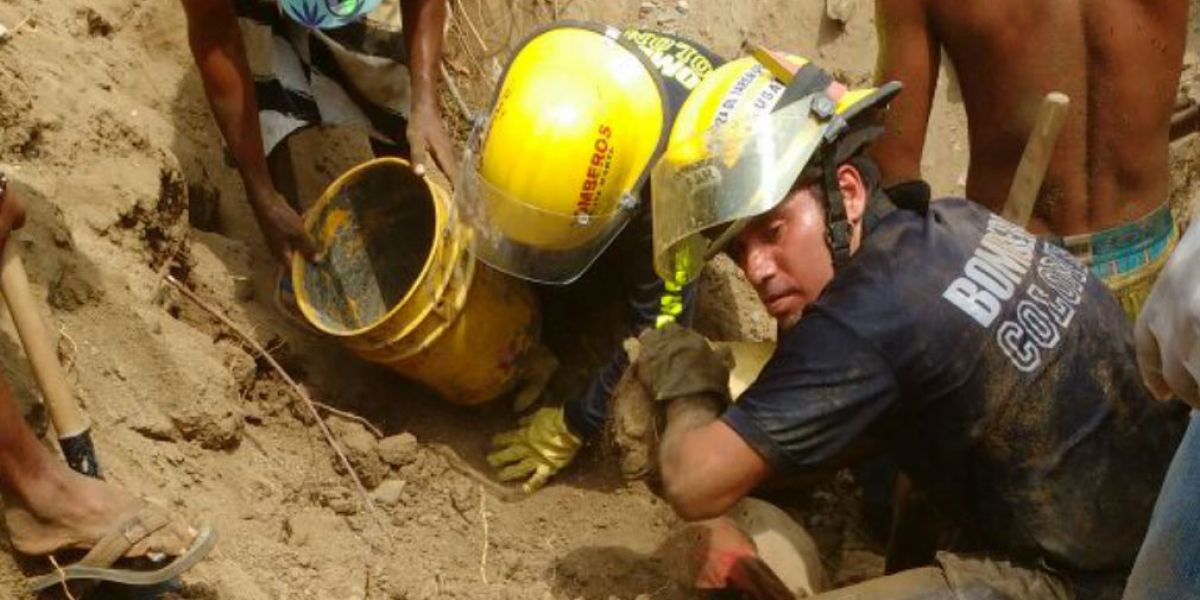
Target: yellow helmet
[
  {"x": 739, "y": 143},
  {"x": 554, "y": 173}
]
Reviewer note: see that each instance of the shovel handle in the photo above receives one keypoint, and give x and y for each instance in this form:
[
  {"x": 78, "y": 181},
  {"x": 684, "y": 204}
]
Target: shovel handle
[
  {"x": 1027, "y": 181},
  {"x": 65, "y": 414},
  {"x": 74, "y": 433}
]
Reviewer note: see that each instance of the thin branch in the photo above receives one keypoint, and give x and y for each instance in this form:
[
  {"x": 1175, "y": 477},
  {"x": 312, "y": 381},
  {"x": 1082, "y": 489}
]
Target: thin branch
[
  {"x": 487, "y": 52},
  {"x": 483, "y": 519},
  {"x": 21, "y": 25},
  {"x": 295, "y": 388},
  {"x": 62, "y": 575},
  {"x": 504, "y": 494},
  {"x": 467, "y": 115},
  {"x": 350, "y": 417}
]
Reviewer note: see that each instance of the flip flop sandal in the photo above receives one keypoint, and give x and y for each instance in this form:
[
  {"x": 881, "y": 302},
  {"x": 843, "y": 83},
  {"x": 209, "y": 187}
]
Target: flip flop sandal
[{"x": 97, "y": 564}]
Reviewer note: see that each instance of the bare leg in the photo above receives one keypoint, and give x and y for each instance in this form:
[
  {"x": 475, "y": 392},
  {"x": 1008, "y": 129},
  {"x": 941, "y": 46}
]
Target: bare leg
[{"x": 48, "y": 507}]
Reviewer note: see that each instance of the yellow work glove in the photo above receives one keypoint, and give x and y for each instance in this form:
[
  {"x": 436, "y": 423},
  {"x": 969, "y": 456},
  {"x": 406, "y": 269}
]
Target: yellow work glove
[{"x": 541, "y": 447}]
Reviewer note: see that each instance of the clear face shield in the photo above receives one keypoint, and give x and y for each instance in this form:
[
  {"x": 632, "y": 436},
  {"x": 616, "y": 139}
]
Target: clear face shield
[
  {"x": 521, "y": 237},
  {"x": 731, "y": 172}
]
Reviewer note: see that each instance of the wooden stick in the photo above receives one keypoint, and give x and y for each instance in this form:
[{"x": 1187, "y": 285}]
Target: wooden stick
[
  {"x": 349, "y": 416},
  {"x": 502, "y": 493},
  {"x": 20, "y": 25},
  {"x": 474, "y": 31},
  {"x": 295, "y": 388},
  {"x": 488, "y": 54},
  {"x": 1027, "y": 181},
  {"x": 484, "y": 520},
  {"x": 71, "y": 423},
  {"x": 69, "y": 420}
]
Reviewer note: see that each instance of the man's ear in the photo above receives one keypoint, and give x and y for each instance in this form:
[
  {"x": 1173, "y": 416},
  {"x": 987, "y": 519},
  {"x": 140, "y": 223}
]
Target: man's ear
[{"x": 854, "y": 192}]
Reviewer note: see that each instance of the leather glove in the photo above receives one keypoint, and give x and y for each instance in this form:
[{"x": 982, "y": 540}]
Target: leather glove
[
  {"x": 540, "y": 448},
  {"x": 1168, "y": 328},
  {"x": 675, "y": 362}
]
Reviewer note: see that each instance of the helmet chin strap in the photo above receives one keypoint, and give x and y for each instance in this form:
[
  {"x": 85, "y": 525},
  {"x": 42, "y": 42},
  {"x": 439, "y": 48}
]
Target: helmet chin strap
[
  {"x": 839, "y": 230},
  {"x": 837, "y": 225}
]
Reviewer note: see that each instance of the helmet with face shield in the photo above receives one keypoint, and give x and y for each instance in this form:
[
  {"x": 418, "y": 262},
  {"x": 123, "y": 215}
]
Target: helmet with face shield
[
  {"x": 554, "y": 172},
  {"x": 748, "y": 133}
]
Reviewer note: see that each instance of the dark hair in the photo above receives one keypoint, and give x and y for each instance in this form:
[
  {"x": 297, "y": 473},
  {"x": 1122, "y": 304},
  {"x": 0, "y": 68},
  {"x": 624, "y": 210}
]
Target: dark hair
[{"x": 810, "y": 178}]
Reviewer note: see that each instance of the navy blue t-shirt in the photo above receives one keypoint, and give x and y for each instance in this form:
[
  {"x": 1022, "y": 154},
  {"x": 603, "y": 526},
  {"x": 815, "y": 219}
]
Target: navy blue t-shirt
[{"x": 996, "y": 371}]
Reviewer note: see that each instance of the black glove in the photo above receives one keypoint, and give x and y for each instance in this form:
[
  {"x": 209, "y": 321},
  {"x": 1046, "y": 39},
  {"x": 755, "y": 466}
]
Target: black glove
[{"x": 675, "y": 362}]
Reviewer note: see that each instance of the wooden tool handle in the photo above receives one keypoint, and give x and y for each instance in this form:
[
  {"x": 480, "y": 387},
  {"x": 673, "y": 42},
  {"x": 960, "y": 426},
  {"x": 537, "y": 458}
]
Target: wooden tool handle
[
  {"x": 68, "y": 419},
  {"x": 1027, "y": 181}
]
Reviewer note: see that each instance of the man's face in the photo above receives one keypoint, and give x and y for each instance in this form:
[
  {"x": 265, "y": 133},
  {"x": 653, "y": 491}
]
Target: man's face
[{"x": 784, "y": 256}]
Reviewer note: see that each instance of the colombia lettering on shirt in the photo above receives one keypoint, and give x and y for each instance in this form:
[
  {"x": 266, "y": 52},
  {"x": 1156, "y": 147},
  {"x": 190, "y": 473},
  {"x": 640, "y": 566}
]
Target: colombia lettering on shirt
[{"x": 991, "y": 284}]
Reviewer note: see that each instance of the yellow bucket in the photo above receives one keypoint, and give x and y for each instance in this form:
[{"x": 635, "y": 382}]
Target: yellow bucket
[{"x": 396, "y": 283}]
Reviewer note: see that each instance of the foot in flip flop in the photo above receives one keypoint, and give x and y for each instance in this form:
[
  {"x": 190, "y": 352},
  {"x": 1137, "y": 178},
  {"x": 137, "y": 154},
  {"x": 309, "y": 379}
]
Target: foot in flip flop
[{"x": 71, "y": 511}]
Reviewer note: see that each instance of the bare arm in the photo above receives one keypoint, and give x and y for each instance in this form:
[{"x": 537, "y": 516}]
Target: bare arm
[
  {"x": 216, "y": 44},
  {"x": 424, "y": 22},
  {"x": 706, "y": 466},
  {"x": 909, "y": 52}
]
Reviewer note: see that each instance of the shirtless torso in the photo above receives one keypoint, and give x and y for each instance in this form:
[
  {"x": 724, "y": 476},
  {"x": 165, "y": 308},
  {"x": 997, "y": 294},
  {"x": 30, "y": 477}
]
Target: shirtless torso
[{"x": 1118, "y": 60}]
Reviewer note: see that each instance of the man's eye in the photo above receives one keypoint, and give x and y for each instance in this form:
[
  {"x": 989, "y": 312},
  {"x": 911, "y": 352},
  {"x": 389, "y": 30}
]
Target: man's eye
[
  {"x": 775, "y": 232},
  {"x": 735, "y": 252}
]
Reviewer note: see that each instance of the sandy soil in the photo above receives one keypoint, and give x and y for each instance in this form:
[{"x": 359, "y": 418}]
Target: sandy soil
[{"x": 104, "y": 128}]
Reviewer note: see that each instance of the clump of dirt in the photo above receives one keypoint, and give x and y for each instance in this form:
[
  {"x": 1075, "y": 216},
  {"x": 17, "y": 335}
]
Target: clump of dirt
[
  {"x": 634, "y": 424},
  {"x": 94, "y": 23},
  {"x": 361, "y": 450}
]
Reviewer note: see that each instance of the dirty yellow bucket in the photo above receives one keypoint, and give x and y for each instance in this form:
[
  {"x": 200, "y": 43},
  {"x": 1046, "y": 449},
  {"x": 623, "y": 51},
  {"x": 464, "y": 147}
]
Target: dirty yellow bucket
[{"x": 396, "y": 283}]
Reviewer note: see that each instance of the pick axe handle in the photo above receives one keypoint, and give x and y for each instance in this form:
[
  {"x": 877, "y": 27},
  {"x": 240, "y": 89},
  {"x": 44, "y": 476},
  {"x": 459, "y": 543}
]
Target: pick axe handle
[
  {"x": 69, "y": 420},
  {"x": 1027, "y": 181}
]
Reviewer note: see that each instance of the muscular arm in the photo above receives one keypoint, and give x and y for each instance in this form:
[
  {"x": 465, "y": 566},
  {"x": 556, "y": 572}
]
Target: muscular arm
[
  {"x": 424, "y": 21},
  {"x": 808, "y": 409},
  {"x": 909, "y": 52},
  {"x": 216, "y": 44},
  {"x": 706, "y": 466}
]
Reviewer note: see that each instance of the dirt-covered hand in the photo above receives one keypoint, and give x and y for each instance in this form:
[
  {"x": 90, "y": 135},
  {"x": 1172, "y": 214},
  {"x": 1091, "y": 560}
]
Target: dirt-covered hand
[
  {"x": 675, "y": 362},
  {"x": 427, "y": 136},
  {"x": 282, "y": 227},
  {"x": 539, "y": 449},
  {"x": 12, "y": 212},
  {"x": 1168, "y": 328}
]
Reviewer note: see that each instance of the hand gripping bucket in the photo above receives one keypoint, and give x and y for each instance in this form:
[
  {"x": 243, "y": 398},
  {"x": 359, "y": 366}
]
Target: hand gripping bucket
[{"x": 395, "y": 282}]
